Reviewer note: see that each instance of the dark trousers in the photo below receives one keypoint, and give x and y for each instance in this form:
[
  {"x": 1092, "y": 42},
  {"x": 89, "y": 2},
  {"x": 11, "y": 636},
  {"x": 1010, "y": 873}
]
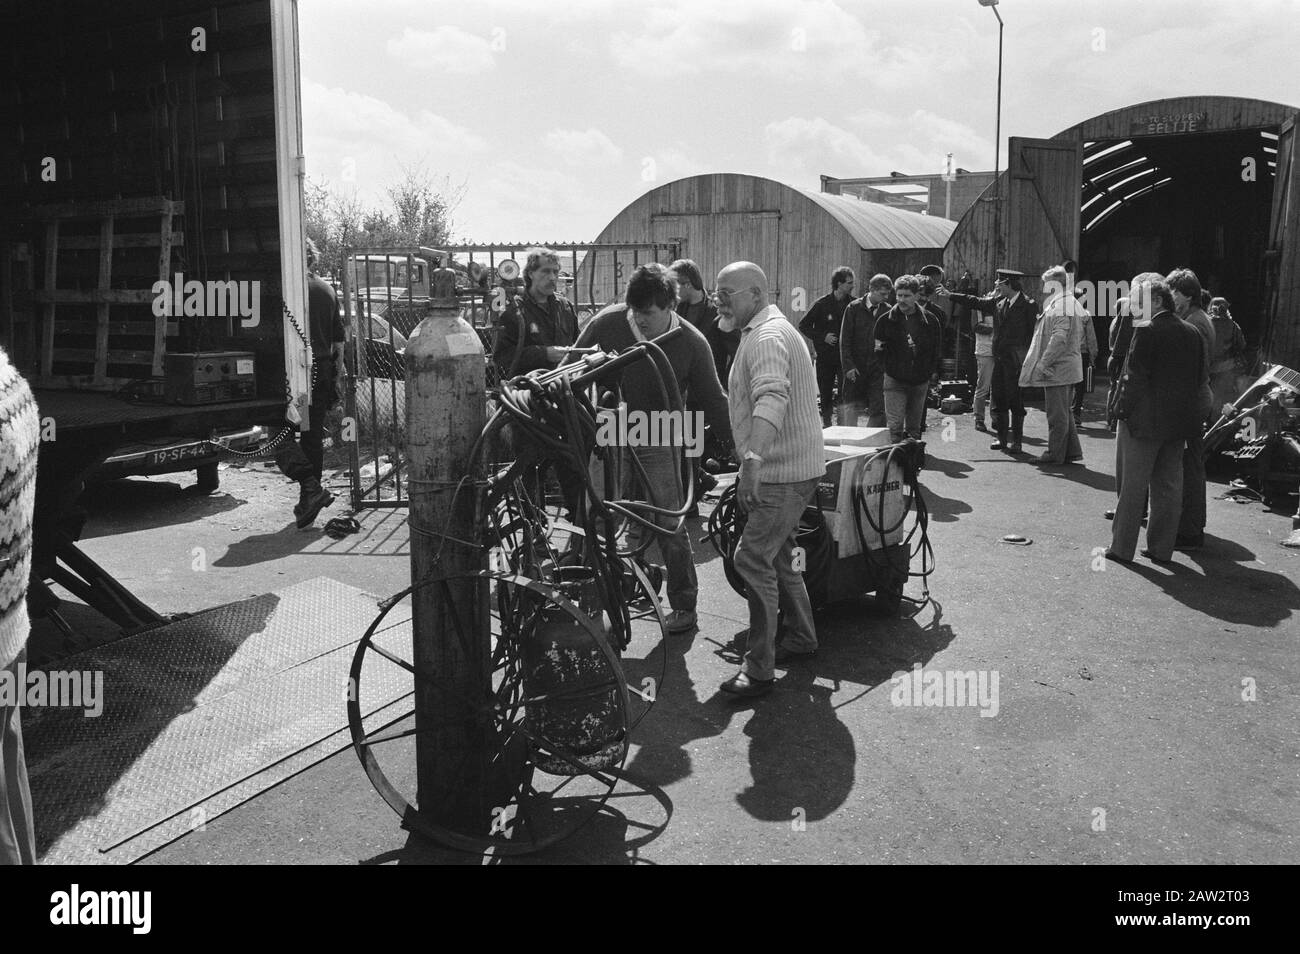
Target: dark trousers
[
  {"x": 828, "y": 375},
  {"x": 1079, "y": 388},
  {"x": 1007, "y": 405},
  {"x": 303, "y": 460},
  {"x": 1155, "y": 467},
  {"x": 865, "y": 395},
  {"x": 1192, "y": 521}
]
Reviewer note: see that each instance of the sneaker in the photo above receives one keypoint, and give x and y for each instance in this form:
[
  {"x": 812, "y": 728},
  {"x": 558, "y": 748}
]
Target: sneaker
[
  {"x": 681, "y": 621},
  {"x": 310, "y": 505}
]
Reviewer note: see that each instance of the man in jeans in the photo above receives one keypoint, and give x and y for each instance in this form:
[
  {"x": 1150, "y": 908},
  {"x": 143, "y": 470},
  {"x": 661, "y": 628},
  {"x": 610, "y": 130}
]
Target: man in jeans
[
  {"x": 909, "y": 340},
  {"x": 772, "y": 395},
  {"x": 647, "y": 312}
]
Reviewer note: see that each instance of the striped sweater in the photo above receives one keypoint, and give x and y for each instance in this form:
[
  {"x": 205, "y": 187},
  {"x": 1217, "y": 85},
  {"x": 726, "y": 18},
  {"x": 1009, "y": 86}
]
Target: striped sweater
[
  {"x": 19, "y": 439},
  {"x": 772, "y": 377}
]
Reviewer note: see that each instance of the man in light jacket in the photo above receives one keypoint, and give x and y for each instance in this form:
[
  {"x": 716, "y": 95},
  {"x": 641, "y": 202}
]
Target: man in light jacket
[{"x": 1055, "y": 365}]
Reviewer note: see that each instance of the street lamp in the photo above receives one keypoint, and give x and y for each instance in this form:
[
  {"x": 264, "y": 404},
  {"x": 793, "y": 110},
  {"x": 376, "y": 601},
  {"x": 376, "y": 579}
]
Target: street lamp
[{"x": 997, "y": 135}]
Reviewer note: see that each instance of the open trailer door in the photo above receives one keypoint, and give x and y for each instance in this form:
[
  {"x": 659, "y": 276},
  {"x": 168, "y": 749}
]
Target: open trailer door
[
  {"x": 1044, "y": 185},
  {"x": 1281, "y": 343}
]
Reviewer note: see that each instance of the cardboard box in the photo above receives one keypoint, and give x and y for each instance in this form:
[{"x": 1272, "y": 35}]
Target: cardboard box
[{"x": 855, "y": 436}]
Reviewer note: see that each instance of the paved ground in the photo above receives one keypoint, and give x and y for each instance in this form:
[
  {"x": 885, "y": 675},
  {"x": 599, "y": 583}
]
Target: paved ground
[{"x": 1121, "y": 733}]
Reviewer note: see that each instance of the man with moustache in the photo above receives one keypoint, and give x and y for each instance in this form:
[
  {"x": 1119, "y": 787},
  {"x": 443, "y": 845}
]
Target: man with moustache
[
  {"x": 536, "y": 327},
  {"x": 909, "y": 343},
  {"x": 772, "y": 393}
]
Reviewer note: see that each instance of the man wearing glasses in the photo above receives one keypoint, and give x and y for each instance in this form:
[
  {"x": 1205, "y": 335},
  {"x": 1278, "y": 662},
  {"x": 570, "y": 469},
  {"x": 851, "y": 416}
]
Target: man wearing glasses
[
  {"x": 772, "y": 400},
  {"x": 1014, "y": 316}
]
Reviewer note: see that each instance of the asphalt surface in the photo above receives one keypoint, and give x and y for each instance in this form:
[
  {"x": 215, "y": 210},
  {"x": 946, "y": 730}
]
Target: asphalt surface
[{"x": 1144, "y": 714}]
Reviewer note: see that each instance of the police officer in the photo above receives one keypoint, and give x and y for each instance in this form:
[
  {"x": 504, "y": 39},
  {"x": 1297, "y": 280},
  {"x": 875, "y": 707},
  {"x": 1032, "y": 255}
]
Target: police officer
[{"x": 1014, "y": 315}]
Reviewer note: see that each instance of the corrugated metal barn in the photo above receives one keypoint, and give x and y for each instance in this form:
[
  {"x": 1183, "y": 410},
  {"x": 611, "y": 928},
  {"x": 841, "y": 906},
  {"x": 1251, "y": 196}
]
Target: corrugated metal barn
[
  {"x": 797, "y": 236},
  {"x": 1203, "y": 181}
]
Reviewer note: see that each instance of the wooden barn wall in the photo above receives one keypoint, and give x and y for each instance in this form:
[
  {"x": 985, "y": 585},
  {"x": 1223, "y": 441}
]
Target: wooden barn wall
[
  {"x": 974, "y": 243},
  {"x": 727, "y": 217},
  {"x": 117, "y": 96},
  {"x": 975, "y": 246},
  {"x": 1282, "y": 338}
]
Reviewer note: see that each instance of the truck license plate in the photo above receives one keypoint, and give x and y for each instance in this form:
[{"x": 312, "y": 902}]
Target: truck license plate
[{"x": 170, "y": 454}]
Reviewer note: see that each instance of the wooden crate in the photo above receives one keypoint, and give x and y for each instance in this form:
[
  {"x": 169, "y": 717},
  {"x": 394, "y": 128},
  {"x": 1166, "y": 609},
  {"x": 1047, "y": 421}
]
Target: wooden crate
[{"x": 97, "y": 333}]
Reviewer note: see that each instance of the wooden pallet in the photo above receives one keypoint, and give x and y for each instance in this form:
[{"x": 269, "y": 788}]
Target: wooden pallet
[{"x": 124, "y": 337}]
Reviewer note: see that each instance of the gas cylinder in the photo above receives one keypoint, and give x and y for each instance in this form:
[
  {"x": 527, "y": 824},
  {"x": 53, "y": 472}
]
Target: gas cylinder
[{"x": 561, "y": 658}]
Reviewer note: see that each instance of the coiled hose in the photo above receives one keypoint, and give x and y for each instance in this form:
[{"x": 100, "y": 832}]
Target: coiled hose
[{"x": 726, "y": 524}]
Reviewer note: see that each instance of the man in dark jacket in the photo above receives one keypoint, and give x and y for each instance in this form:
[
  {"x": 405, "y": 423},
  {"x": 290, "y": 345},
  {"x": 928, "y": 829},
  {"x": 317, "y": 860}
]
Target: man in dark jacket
[
  {"x": 1166, "y": 367},
  {"x": 533, "y": 333},
  {"x": 1186, "y": 289},
  {"x": 864, "y": 377},
  {"x": 1014, "y": 316},
  {"x": 303, "y": 460},
  {"x": 647, "y": 312},
  {"x": 908, "y": 339},
  {"x": 822, "y": 326},
  {"x": 536, "y": 327},
  {"x": 693, "y": 305}
]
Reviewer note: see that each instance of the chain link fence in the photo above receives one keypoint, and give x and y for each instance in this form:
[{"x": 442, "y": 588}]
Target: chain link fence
[{"x": 385, "y": 295}]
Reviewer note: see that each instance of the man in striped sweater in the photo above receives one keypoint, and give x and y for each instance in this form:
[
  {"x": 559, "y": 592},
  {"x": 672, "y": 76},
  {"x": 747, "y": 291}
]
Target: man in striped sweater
[
  {"x": 772, "y": 398},
  {"x": 19, "y": 439}
]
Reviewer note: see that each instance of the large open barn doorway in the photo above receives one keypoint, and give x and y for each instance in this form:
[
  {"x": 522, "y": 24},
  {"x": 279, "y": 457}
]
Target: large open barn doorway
[{"x": 1201, "y": 199}]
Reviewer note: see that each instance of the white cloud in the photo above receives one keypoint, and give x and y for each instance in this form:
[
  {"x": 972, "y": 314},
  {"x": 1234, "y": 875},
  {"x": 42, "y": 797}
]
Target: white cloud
[
  {"x": 813, "y": 146},
  {"x": 583, "y": 148},
  {"x": 815, "y": 37},
  {"x": 447, "y": 49},
  {"x": 348, "y": 132}
]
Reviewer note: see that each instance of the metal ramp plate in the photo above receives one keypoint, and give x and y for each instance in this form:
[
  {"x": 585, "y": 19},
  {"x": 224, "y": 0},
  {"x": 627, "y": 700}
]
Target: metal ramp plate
[{"x": 200, "y": 715}]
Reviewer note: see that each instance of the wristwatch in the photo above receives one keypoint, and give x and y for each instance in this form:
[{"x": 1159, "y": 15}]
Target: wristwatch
[{"x": 751, "y": 455}]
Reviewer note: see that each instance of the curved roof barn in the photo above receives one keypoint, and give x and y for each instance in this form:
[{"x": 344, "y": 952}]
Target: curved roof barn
[{"x": 797, "y": 236}]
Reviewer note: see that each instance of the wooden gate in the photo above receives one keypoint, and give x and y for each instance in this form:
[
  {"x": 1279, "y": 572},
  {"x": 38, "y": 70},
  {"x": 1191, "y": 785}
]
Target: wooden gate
[
  {"x": 1282, "y": 257},
  {"x": 1044, "y": 185}
]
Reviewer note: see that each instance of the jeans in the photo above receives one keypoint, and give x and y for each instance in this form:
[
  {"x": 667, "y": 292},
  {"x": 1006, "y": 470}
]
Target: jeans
[
  {"x": 1156, "y": 466},
  {"x": 17, "y": 828},
  {"x": 663, "y": 471},
  {"x": 763, "y": 560},
  {"x": 983, "y": 384},
  {"x": 1079, "y": 388},
  {"x": 903, "y": 406},
  {"x": 1062, "y": 438}
]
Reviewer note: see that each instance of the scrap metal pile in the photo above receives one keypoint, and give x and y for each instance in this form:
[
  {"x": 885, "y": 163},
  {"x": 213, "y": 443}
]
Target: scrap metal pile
[{"x": 1260, "y": 433}]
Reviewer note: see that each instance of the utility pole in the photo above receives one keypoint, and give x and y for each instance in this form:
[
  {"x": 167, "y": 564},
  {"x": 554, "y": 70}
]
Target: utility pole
[{"x": 999, "y": 245}]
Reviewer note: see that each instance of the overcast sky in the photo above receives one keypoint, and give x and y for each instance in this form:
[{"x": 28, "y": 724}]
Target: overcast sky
[{"x": 557, "y": 115}]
